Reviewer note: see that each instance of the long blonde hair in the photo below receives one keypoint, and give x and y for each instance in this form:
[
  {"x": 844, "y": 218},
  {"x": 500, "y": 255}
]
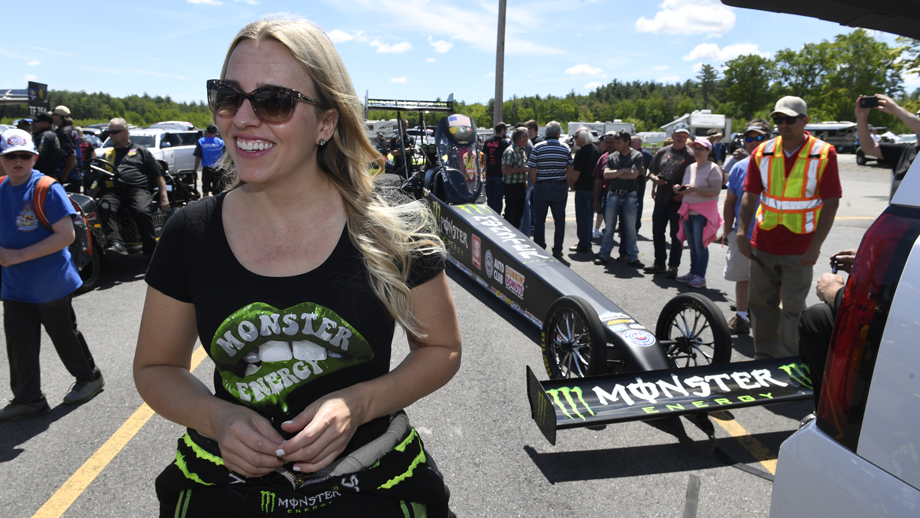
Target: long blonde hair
[{"x": 389, "y": 235}]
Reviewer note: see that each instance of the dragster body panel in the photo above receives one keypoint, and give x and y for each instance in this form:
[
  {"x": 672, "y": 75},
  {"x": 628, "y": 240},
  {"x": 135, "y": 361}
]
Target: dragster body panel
[{"x": 500, "y": 258}]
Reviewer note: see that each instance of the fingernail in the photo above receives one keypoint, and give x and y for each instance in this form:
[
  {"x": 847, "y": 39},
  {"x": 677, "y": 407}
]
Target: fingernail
[
  {"x": 279, "y": 452},
  {"x": 288, "y": 422},
  {"x": 296, "y": 468}
]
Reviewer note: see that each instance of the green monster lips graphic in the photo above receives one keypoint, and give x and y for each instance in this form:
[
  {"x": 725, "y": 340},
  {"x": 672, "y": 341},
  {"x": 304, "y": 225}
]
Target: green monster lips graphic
[{"x": 263, "y": 354}]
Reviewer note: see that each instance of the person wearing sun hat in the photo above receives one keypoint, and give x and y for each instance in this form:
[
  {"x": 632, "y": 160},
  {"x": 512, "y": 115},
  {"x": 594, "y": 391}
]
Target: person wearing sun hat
[
  {"x": 798, "y": 182},
  {"x": 39, "y": 279},
  {"x": 699, "y": 210}
]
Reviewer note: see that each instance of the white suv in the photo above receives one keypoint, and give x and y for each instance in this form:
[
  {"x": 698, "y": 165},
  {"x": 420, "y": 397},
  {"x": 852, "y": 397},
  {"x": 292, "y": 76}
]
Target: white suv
[
  {"x": 861, "y": 455},
  {"x": 176, "y": 148}
]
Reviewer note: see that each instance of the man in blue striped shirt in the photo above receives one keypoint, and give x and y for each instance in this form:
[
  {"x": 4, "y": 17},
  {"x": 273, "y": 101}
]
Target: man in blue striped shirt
[{"x": 550, "y": 166}]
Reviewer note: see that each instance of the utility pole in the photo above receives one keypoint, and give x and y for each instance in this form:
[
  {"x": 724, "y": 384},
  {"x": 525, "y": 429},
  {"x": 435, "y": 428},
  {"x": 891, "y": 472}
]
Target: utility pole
[{"x": 499, "y": 63}]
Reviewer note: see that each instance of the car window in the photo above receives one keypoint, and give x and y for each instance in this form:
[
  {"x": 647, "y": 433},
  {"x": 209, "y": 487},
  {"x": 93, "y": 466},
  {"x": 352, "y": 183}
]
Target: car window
[{"x": 187, "y": 139}]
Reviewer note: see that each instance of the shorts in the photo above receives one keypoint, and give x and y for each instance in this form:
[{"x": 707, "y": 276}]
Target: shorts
[{"x": 737, "y": 266}]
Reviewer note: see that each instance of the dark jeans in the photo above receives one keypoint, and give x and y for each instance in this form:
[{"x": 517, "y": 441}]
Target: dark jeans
[
  {"x": 495, "y": 190},
  {"x": 699, "y": 254},
  {"x": 515, "y": 194},
  {"x": 212, "y": 180},
  {"x": 22, "y": 322},
  {"x": 816, "y": 324},
  {"x": 666, "y": 214},
  {"x": 584, "y": 217},
  {"x": 549, "y": 196},
  {"x": 135, "y": 201}
]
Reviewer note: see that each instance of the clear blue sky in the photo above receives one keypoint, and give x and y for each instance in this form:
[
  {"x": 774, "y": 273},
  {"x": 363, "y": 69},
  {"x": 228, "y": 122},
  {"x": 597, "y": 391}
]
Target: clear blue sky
[{"x": 410, "y": 49}]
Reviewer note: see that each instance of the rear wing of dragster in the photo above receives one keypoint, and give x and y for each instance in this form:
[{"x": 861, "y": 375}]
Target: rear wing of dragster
[
  {"x": 577, "y": 402},
  {"x": 412, "y": 106}
]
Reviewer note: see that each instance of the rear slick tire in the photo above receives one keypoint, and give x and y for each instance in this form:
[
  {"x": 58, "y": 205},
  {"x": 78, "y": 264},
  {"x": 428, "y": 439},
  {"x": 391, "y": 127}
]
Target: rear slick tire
[{"x": 573, "y": 341}]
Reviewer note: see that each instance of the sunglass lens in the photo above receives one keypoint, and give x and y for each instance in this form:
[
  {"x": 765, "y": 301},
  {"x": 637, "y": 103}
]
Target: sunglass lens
[
  {"x": 272, "y": 104},
  {"x": 224, "y": 100}
]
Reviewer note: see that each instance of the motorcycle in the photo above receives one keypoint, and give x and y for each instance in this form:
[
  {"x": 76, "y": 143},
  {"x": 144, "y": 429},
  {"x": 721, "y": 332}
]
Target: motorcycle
[{"x": 181, "y": 189}]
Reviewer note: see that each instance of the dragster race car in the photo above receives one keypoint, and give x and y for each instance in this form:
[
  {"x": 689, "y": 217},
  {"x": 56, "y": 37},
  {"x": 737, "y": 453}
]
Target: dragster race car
[{"x": 604, "y": 366}]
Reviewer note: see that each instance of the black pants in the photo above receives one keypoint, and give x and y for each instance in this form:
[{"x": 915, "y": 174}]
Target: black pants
[
  {"x": 515, "y": 193},
  {"x": 22, "y": 323},
  {"x": 212, "y": 180},
  {"x": 816, "y": 324},
  {"x": 134, "y": 201},
  {"x": 666, "y": 214}
]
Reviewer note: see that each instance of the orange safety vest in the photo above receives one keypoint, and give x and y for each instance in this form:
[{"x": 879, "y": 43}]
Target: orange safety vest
[{"x": 793, "y": 201}]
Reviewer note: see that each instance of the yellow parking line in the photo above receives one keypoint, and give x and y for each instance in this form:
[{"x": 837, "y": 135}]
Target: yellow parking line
[
  {"x": 79, "y": 481},
  {"x": 760, "y": 452}
]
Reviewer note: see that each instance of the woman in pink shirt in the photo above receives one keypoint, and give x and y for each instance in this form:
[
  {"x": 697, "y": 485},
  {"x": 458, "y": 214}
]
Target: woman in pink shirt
[{"x": 699, "y": 213}]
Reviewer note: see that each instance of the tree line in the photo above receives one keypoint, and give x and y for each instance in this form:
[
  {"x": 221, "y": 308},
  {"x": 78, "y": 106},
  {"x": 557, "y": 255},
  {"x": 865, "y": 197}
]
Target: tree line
[{"x": 829, "y": 75}]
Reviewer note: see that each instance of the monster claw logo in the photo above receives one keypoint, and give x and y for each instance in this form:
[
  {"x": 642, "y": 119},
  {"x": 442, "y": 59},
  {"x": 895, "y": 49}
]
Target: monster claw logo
[
  {"x": 469, "y": 208},
  {"x": 268, "y": 501},
  {"x": 567, "y": 394},
  {"x": 541, "y": 408},
  {"x": 799, "y": 375}
]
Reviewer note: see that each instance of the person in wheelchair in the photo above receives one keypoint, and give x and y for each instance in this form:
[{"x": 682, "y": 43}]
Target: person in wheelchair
[{"x": 136, "y": 175}]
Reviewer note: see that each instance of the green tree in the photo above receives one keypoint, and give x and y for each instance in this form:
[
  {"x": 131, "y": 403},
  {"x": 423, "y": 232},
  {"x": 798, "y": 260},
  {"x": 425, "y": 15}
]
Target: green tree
[
  {"x": 709, "y": 83},
  {"x": 747, "y": 83}
]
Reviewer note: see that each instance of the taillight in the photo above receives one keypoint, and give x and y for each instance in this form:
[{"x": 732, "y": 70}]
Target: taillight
[{"x": 860, "y": 322}]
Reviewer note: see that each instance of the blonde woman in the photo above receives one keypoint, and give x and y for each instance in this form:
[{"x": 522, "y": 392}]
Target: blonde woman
[{"x": 308, "y": 270}]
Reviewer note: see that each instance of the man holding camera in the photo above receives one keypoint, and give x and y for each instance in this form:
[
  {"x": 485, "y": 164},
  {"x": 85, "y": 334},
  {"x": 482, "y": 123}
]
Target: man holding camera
[{"x": 898, "y": 156}]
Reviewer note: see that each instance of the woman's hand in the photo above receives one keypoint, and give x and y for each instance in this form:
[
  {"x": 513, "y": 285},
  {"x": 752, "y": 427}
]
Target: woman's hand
[
  {"x": 323, "y": 430},
  {"x": 247, "y": 442}
]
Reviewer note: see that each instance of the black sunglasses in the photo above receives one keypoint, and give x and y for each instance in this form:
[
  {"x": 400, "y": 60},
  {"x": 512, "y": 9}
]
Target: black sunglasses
[
  {"x": 787, "y": 120},
  {"x": 115, "y": 132},
  {"x": 271, "y": 104},
  {"x": 758, "y": 138},
  {"x": 18, "y": 156}
]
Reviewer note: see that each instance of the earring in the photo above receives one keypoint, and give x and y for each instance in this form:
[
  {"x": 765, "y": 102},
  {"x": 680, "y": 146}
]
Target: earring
[{"x": 322, "y": 142}]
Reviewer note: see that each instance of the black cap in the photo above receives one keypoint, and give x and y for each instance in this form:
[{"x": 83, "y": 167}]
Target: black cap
[{"x": 42, "y": 117}]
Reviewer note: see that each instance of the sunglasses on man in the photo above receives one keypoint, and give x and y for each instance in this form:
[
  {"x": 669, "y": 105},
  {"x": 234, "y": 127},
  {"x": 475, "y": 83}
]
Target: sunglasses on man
[
  {"x": 18, "y": 156},
  {"x": 788, "y": 120},
  {"x": 271, "y": 104},
  {"x": 757, "y": 138},
  {"x": 115, "y": 131}
]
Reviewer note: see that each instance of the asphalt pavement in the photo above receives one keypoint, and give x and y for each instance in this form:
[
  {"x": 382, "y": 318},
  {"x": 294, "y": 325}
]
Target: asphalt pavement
[{"x": 100, "y": 459}]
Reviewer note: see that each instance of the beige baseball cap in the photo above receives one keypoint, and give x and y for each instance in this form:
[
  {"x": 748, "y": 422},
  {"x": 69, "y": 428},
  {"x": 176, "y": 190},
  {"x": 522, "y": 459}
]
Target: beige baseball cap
[
  {"x": 790, "y": 106},
  {"x": 61, "y": 110}
]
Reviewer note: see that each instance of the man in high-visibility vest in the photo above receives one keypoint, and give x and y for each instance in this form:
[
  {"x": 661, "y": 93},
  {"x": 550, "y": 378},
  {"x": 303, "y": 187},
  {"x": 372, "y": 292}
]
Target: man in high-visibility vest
[{"x": 797, "y": 180}]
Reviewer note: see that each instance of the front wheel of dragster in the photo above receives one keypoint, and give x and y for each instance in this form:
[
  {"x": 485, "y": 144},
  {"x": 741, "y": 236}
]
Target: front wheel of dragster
[
  {"x": 574, "y": 342},
  {"x": 693, "y": 332}
]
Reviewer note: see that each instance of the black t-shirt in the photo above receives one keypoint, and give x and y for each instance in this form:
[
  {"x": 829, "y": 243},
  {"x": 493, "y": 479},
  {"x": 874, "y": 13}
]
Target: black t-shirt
[
  {"x": 136, "y": 166},
  {"x": 669, "y": 165},
  {"x": 585, "y": 160},
  {"x": 278, "y": 343},
  {"x": 49, "y": 152},
  {"x": 633, "y": 160},
  {"x": 492, "y": 155},
  {"x": 899, "y": 157},
  {"x": 408, "y": 143}
]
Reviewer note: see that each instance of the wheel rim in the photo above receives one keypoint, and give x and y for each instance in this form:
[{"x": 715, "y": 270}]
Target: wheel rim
[
  {"x": 571, "y": 345},
  {"x": 691, "y": 339}
]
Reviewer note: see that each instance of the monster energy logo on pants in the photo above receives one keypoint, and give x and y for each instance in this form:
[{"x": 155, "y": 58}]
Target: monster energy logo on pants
[
  {"x": 567, "y": 394},
  {"x": 268, "y": 501}
]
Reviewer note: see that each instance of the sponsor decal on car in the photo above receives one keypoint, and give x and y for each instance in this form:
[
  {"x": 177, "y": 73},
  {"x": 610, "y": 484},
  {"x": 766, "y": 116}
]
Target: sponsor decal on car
[
  {"x": 514, "y": 281},
  {"x": 498, "y": 271},
  {"x": 489, "y": 264},
  {"x": 620, "y": 321},
  {"x": 526, "y": 252},
  {"x": 453, "y": 232},
  {"x": 640, "y": 338},
  {"x": 477, "y": 252},
  {"x": 618, "y": 327},
  {"x": 610, "y": 315},
  {"x": 636, "y": 326}
]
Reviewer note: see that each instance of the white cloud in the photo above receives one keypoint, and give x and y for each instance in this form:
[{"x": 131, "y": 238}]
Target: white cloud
[
  {"x": 440, "y": 46},
  {"x": 669, "y": 79},
  {"x": 401, "y": 80},
  {"x": 593, "y": 84},
  {"x": 205, "y": 2},
  {"x": 30, "y": 77},
  {"x": 697, "y": 67},
  {"x": 490, "y": 74},
  {"x": 430, "y": 60},
  {"x": 33, "y": 63},
  {"x": 661, "y": 67},
  {"x": 385, "y": 48},
  {"x": 584, "y": 70},
  {"x": 708, "y": 17},
  {"x": 339, "y": 36},
  {"x": 250, "y": 2},
  {"x": 712, "y": 52}
]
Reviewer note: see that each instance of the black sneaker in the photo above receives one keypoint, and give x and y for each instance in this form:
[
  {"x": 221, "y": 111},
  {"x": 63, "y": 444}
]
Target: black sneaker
[
  {"x": 19, "y": 410},
  {"x": 672, "y": 272},
  {"x": 637, "y": 264},
  {"x": 600, "y": 260},
  {"x": 117, "y": 248}
]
